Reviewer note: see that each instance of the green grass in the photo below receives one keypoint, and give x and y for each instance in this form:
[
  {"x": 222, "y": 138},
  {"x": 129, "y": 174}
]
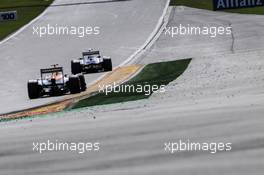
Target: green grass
[
  {"x": 26, "y": 11},
  {"x": 158, "y": 74},
  {"x": 208, "y": 4}
]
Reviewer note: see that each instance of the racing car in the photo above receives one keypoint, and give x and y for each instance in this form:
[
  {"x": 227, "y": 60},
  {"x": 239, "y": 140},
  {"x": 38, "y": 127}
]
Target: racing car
[
  {"x": 91, "y": 62},
  {"x": 54, "y": 82}
]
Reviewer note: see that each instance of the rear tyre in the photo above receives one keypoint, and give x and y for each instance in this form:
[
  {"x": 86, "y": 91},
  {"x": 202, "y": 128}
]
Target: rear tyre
[
  {"x": 74, "y": 85},
  {"x": 107, "y": 64},
  {"x": 82, "y": 82},
  {"x": 76, "y": 67},
  {"x": 33, "y": 90}
]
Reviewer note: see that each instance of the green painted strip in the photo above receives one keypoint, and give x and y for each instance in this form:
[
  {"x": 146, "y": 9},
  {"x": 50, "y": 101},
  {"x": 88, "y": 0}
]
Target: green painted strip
[{"x": 156, "y": 75}]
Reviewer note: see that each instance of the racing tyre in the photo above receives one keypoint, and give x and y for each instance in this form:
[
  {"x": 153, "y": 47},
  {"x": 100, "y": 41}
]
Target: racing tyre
[
  {"x": 33, "y": 90},
  {"x": 107, "y": 64},
  {"x": 82, "y": 82},
  {"x": 76, "y": 67},
  {"x": 74, "y": 85}
]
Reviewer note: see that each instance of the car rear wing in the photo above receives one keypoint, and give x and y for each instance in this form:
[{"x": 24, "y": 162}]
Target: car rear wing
[
  {"x": 91, "y": 53},
  {"x": 51, "y": 70}
]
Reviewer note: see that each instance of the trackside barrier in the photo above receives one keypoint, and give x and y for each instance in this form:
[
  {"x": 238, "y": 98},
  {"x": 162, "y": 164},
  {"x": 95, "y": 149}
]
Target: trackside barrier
[{"x": 8, "y": 16}]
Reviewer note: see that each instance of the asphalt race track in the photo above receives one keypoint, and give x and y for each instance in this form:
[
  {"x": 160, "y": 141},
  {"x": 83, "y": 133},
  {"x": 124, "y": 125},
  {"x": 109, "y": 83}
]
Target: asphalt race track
[
  {"x": 219, "y": 98},
  {"x": 121, "y": 34}
]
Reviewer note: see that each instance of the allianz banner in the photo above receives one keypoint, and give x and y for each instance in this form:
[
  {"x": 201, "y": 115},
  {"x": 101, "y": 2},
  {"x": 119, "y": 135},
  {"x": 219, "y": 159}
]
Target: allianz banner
[{"x": 232, "y": 4}]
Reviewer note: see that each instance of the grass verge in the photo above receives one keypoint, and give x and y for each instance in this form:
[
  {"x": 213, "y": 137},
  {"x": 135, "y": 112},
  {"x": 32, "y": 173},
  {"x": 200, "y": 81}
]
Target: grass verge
[
  {"x": 156, "y": 74},
  {"x": 26, "y": 11},
  {"x": 208, "y": 4}
]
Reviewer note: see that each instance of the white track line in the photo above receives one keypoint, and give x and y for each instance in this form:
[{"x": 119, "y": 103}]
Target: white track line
[
  {"x": 150, "y": 38},
  {"x": 147, "y": 42}
]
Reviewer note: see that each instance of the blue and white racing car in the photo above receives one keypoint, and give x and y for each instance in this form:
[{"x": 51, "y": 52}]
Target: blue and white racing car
[{"x": 91, "y": 62}]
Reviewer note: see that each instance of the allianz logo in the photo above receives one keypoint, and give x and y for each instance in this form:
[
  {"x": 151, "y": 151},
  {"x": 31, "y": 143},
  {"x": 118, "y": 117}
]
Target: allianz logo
[{"x": 222, "y": 4}]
